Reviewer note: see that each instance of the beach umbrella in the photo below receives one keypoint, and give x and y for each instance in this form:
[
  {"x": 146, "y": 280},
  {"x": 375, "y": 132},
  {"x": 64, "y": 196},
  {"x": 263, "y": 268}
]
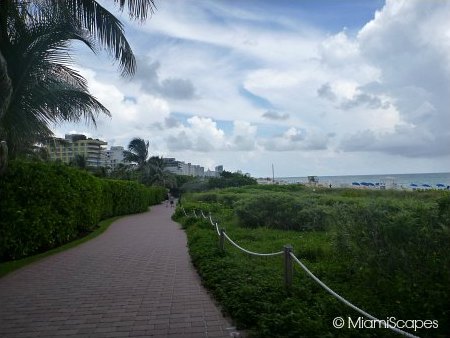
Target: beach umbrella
[
  {"x": 355, "y": 183},
  {"x": 440, "y": 185},
  {"x": 371, "y": 184},
  {"x": 413, "y": 185},
  {"x": 364, "y": 183},
  {"x": 426, "y": 185}
]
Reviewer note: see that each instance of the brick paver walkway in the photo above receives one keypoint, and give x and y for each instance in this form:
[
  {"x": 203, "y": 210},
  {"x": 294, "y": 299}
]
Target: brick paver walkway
[{"x": 136, "y": 279}]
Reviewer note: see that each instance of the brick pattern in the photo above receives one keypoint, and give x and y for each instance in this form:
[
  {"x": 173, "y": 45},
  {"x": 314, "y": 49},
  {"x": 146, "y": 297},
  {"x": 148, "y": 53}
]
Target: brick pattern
[{"x": 135, "y": 280}]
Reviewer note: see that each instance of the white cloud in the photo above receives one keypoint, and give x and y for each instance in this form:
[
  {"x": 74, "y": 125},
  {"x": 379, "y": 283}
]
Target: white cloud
[
  {"x": 201, "y": 134},
  {"x": 297, "y": 139},
  {"x": 130, "y": 117},
  {"x": 273, "y": 115},
  {"x": 408, "y": 42},
  {"x": 378, "y": 92},
  {"x": 244, "y": 136}
]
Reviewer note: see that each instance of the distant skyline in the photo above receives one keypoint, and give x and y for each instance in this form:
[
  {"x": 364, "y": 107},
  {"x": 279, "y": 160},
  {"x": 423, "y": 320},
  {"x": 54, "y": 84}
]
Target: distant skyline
[{"x": 321, "y": 88}]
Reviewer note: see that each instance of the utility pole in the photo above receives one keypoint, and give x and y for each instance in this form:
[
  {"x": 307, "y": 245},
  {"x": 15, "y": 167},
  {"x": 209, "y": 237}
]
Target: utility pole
[{"x": 273, "y": 175}]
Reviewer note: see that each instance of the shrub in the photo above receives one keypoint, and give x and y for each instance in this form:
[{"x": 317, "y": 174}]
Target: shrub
[
  {"x": 44, "y": 205},
  {"x": 228, "y": 179},
  {"x": 280, "y": 211},
  {"x": 402, "y": 247},
  {"x": 387, "y": 252}
]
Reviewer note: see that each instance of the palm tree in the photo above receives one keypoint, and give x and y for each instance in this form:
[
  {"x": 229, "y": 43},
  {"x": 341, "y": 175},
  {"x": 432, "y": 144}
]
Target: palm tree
[
  {"x": 5, "y": 86},
  {"x": 137, "y": 152},
  {"x": 37, "y": 86},
  {"x": 155, "y": 173},
  {"x": 5, "y": 96},
  {"x": 45, "y": 88},
  {"x": 121, "y": 172},
  {"x": 104, "y": 27}
]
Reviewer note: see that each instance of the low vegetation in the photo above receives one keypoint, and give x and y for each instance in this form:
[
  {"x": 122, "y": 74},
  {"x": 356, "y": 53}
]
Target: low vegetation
[
  {"x": 385, "y": 251},
  {"x": 225, "y": 180},
  {"x": 44, "y": 205}
]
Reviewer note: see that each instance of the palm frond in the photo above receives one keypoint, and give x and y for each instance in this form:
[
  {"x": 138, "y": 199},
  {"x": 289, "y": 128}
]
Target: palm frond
[
  {"x": 104, "y": 27},
  {"x": 46, "y": 90},
  {"x": 137, "y": 151},
  {"x": 128, "y": 156},
  {"x": 138, "y": 9}
]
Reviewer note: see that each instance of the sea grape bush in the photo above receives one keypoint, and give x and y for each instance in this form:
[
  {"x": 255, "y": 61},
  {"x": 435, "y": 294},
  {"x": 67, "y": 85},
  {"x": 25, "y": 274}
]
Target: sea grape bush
[
  {"x": 280, "y": 211},
  {"x": 45, "y": 205}
]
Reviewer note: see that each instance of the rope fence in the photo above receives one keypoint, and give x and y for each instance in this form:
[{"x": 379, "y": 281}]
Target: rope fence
[
  {"x": 251, "y": 252},
  {"x": 289, "y": 257}
]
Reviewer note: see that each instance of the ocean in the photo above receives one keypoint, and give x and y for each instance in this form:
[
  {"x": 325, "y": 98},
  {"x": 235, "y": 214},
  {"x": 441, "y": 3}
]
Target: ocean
[{"x": 400, "y": 181}]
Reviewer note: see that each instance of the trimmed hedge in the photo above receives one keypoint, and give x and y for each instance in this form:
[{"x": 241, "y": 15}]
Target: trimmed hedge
[
  {"x": 128, "y": 197},
  {"x": 44, "y": 205}
]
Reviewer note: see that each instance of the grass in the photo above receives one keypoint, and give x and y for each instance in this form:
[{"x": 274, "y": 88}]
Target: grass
[{"x": 8, "y": 267}]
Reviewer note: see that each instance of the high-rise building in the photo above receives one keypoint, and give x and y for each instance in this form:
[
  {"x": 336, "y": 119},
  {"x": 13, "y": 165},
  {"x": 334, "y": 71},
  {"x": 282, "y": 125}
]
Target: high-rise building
[
  {"x": 74, "y": 145},
  {"x": 114, "y": 157}
]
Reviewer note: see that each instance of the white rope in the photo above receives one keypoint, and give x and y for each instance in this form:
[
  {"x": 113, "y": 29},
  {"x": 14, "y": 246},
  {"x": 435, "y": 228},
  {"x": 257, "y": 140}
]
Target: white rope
[
  {"x": 323, "y": 285},
  {"x": 217, "y": 229},
  {"x": 346, "y": 302},
  {"x": 251, "y": 252}
]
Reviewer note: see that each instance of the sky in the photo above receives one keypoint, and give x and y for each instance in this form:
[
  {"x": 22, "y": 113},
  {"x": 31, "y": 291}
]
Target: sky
[{"x": 325, "y": 88}]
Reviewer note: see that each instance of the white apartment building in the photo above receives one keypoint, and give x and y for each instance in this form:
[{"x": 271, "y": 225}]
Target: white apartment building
[
  {"x": 189, "y": 169},
  {"x": 114, "y": 156}
]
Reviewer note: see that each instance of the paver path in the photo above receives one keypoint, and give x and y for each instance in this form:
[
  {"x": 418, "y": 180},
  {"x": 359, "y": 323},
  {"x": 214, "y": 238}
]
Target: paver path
[{"x": 136, "y": 279}]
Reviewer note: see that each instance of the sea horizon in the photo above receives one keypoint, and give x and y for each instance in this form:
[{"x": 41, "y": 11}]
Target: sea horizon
[{"x": 400, "y": 180}]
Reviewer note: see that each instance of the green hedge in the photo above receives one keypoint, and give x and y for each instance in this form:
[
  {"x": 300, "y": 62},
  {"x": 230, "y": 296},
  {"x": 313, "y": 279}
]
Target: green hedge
[
  {"x": 127, "y": 197},
  {"x": 45, "y": 205}
]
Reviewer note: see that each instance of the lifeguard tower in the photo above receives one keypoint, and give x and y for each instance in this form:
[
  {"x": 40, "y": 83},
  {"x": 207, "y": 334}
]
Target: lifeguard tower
[{"x": 313, "y": 180}]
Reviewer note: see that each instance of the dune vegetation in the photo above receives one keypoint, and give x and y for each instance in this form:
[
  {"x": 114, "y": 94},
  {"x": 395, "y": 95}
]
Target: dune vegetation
[{"x": 386, "y": 252}]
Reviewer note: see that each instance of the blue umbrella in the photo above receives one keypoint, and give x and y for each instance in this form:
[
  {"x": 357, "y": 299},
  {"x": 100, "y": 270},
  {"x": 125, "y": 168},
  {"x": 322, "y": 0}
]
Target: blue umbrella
[
  {"x": 413, "y": 185},
  {"x": 364, "y": 183},
  {"x": 371, "y": 184},
  {"x": 440, "y": 185},
  {"x": 426, "y": 185},
  {"x": 355, "y": 183}
]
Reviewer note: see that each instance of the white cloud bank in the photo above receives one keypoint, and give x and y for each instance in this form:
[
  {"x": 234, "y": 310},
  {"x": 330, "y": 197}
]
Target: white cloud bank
[{"x": 380, "y": 93}]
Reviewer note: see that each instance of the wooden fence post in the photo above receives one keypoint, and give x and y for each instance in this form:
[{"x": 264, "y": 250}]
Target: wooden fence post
[
  {"x": 222, "y": 240},
  {"x": 288, "y": 267}
]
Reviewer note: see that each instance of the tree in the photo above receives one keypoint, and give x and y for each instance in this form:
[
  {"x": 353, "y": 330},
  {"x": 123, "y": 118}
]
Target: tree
[
  {"x": 79, "y": 161},
  {"x": 5, "y": 86},
  {"x": 155, "y": 173},
  {"x": 37, "y": 86},
  {"x": 229, "y": 179},
  {"x": 45, "y": 88},
  {"x": 121, "y": 172},
  {"x": 101, "y": 25},
  {"x": 137, "y": 152}
]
